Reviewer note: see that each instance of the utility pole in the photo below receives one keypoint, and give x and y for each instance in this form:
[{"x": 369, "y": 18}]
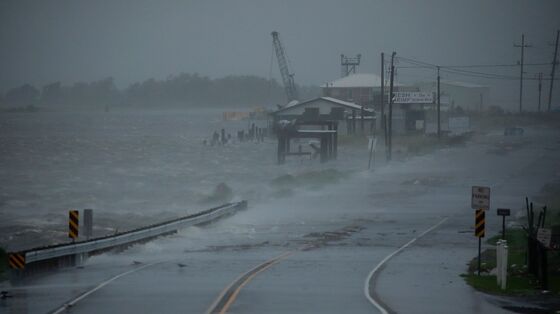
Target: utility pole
[
  {"x": 540, "y": 88},
  {"x": 391, "y": 106},
  {"x": 383, "y": 126},
  {"x": 553, "y": 69},
  {"x": 522, "y": 46},
  {"x": 438, "y": 107}
]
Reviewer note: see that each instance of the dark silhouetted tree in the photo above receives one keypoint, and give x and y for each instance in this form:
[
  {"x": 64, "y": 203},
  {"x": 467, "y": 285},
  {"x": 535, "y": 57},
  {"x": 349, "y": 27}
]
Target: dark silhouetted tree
[
  {"x": 52, "y": 94},
  {"x": 24, "y": 95}
]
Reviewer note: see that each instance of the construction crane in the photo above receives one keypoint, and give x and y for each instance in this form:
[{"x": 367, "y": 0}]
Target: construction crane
[{"x": 287, "y": 77}]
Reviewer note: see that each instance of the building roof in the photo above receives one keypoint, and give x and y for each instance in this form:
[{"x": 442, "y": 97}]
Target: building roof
[
  {"x": 343, "y": 103},
  {"x": 357, "y": 80}
]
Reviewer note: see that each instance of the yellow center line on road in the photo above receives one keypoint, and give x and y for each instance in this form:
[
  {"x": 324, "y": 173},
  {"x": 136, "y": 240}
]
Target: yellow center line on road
[
  {"x": 242, "y": 281},
  {"x": 233, "y": 297},
  {"x": 234, "y": 288}
]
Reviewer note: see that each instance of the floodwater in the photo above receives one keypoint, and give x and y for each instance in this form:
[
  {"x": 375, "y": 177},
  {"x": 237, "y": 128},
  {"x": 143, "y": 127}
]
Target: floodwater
[
  {"x": 130, "y": 167},
  {"x": 150, "y": 164}
]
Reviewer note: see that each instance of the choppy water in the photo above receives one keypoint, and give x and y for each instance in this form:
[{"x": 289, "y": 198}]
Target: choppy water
[{"x": 130, "y": 162}]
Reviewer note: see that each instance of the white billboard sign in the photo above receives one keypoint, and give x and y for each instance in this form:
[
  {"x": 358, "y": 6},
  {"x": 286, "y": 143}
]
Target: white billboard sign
[
  {"x": 480, "y": 197},
  {"x": 413, "y": 98},
  {"x": 544, "y": 236}
]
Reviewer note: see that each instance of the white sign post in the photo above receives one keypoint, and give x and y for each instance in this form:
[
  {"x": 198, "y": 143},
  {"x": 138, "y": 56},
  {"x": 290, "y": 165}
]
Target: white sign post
[
  {"x": 501, "y": 263},
  {"x": 544, "y": 236}
]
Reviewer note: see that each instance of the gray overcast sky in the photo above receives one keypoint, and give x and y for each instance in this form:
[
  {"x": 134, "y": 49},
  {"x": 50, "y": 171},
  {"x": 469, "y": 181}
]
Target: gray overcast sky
[{"x": 132, "y": 40}]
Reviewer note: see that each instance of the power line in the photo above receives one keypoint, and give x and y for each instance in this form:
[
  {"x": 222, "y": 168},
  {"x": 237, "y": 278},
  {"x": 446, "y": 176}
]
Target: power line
[
  {"x": 481, "y": 74},
  {"x": 417, "y": 62},
  {"x": 476, "y": 66},
  {"x": 453, "y": 70}
]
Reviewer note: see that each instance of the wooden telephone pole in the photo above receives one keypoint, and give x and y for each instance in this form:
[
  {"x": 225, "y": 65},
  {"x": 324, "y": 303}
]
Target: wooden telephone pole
[
  {"x": 383, "y": 124},
  {"x": 438, "y": 107},
  {"x": 391, "y": 106},
  {"x": 553, "y": 69},
  {"x": 522, "y": 46}
]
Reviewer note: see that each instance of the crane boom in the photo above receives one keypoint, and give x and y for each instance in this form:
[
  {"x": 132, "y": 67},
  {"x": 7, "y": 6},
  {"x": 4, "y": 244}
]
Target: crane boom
[{"x": 287, "y": 77}]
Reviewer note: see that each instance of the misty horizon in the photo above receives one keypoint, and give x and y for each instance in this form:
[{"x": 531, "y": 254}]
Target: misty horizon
[{"x": 133, "y": 41}]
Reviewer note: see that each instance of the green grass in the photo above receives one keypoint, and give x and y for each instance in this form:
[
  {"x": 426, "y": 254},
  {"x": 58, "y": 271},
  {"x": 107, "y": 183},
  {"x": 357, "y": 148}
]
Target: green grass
[
  {"x": 519, "y": 281},
  {"x": 516, "y": 285},
  {"x": 517, "y": 247},
  {"x": 487, "y": 261},
  {"x": 516, "y": 238}
]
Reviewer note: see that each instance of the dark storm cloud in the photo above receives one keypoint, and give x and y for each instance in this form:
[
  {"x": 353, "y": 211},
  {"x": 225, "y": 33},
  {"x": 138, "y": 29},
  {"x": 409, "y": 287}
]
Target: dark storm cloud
[{"x": 44, "y": 41}]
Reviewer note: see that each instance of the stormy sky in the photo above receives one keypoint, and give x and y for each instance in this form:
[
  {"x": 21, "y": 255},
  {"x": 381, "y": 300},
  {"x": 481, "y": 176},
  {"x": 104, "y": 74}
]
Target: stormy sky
[{"x": 133, "y": 40}]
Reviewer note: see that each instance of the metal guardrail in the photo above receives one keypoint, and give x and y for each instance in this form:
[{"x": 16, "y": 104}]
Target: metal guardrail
[{"x": 129, "y": 237}]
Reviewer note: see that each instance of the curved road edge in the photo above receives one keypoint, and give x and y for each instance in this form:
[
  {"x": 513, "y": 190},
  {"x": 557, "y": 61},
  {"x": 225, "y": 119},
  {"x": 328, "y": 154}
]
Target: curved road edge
[
  {"x": 369, "y": 285},
  {"x": 82, "y": 296}
]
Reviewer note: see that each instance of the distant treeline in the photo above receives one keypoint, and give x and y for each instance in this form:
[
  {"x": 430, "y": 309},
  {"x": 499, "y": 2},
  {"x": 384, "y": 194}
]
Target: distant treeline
[{"x": 183, "y": 90}]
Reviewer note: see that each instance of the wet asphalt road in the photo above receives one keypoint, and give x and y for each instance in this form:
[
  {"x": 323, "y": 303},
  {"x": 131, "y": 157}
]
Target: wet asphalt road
[{"x": 351, "y": 227}]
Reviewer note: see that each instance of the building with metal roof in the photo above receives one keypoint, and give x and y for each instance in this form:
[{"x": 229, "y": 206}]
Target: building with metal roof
[{"x": 361, "y": 88}]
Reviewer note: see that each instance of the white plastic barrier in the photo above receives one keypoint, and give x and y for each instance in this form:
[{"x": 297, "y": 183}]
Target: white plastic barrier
[{"x": 501, "y": 263}]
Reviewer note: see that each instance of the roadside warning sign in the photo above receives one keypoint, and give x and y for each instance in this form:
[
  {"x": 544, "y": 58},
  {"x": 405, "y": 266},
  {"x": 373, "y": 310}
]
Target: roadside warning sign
[
  {"x": 73, "y": 223},
  {"x": 480, "y": 197},
  {"x": 17, "y": 260},
  {"x": 479, "y": 223}
]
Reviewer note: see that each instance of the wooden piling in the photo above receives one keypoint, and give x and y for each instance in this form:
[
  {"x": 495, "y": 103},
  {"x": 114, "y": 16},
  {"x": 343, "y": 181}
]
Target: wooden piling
[
  {"x": 353, "y": 122},
  {"x": 362, "y": 128}
]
